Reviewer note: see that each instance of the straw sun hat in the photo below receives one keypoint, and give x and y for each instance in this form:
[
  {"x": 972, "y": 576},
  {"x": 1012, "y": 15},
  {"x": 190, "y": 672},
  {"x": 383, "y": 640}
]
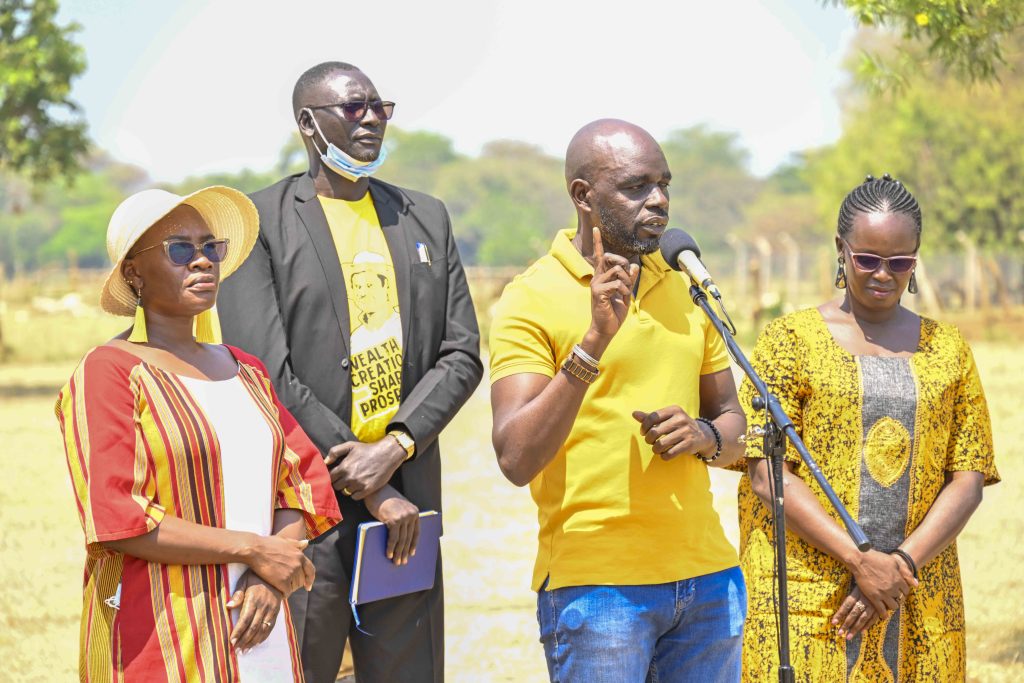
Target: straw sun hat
[{"x": 227, "y": 212}]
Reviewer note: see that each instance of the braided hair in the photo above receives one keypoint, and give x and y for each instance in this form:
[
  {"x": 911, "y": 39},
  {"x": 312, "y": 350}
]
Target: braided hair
[{"x": 878, "y": 195}]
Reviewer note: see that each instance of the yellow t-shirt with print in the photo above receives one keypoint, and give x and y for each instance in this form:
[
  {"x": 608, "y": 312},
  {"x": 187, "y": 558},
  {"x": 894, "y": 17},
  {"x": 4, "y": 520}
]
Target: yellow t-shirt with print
[
  {"x": 612, "y": 512},
  {"x": 375, "y": 328}
]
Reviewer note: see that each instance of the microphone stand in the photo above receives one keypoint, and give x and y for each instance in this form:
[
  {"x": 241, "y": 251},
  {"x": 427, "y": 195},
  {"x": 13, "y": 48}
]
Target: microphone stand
[{"x": 777, "y": 428}]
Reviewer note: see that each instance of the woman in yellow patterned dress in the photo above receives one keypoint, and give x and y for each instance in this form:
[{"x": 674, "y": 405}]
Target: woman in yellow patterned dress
[{"x": 891, "y": 406}]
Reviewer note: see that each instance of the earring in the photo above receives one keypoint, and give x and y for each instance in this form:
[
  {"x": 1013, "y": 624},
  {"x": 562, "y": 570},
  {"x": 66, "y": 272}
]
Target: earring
[
  {"x": 138, "y": 334},
  {"x": 912, "y": 285},
  {"x": 207, "y": 327},
  {"x": 841, "y": 275}
]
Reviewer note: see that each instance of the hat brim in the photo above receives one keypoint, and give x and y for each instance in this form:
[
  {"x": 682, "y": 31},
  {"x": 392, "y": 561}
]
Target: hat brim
[{"x": 227, "y": 212}]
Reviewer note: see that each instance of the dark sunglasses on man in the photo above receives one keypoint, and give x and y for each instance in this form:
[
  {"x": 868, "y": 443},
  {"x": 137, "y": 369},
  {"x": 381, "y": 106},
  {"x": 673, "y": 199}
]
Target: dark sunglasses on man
[
  {"x": 355, "y": 111},
  {"x": 869, "y": 263},
  {"x": 182, "y": 252}
]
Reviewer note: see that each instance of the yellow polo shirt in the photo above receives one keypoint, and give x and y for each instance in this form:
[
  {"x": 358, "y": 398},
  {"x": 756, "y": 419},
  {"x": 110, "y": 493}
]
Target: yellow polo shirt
[{"x": 612, "y": 512}]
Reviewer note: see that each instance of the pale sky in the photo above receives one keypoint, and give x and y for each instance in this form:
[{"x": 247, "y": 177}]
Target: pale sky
[{"x": 189, "y": 87}]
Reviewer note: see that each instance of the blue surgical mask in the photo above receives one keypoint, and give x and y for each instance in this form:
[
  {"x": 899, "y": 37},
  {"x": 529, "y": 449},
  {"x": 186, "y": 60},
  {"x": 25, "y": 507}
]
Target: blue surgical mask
[{"x": 344, "y": 164}]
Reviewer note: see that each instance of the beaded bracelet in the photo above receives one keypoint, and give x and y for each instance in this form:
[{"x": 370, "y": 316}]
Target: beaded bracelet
[
  {"x": 718, "y": 440},
  {"x": 906, "y": 556}
]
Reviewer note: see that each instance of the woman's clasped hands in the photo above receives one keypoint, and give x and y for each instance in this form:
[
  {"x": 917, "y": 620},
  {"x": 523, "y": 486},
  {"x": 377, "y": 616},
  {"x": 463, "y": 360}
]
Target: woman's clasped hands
[
  {"x": 277, "y": 568},
  {"x": 881, "y": 584}
]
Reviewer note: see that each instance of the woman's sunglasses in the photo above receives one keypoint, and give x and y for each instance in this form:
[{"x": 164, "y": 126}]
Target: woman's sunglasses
[
  {"x": 869, "y": 263},
  {"x": 355, "y": 111},
  {"x": 183, "y": 252}
]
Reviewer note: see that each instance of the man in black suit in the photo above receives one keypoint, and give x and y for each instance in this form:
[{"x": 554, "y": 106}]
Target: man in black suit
[{"x": 346, "y": 261}]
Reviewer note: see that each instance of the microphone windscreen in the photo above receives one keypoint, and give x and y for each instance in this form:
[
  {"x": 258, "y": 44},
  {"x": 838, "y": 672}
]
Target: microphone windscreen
[{"x": 673, "y": 243}]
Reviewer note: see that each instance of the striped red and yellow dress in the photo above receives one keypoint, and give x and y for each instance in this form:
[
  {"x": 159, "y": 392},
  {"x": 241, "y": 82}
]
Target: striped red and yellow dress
[{"x": 139, "y": 447}]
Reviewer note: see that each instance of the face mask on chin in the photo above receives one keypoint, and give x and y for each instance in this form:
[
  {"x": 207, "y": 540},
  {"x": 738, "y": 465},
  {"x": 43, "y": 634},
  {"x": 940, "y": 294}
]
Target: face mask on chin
[{"x": 344, "y": 164}]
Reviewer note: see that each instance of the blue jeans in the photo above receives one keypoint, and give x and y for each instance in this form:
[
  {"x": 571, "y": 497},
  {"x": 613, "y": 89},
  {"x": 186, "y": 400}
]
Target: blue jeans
[{"x": 689, "y": 630}]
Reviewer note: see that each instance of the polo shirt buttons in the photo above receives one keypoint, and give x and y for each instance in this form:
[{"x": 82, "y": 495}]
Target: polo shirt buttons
[{"x": 344, "y": 363}]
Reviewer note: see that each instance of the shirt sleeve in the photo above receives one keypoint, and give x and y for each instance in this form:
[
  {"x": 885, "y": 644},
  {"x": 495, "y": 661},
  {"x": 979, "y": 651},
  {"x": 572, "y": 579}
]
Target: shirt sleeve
[
  {"x": 970, "y": 445},
  {"x": 303, "y": 482},
  {"x": 518, "y": 341},
  {"x": 777, "y": 359},
  {"x": 112, "y": 475}
]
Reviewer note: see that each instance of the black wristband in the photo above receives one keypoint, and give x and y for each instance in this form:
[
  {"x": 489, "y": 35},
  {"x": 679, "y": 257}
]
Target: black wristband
[
  {"x": 718, "y": 440},
  {"x": 906, "y": 556}
]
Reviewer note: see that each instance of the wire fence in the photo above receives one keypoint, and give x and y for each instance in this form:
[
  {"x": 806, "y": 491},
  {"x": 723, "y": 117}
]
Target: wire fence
[{"x": 760, "y": 280}]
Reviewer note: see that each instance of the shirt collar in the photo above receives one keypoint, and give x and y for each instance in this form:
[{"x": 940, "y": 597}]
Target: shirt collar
[{"x": 572, "y": 260}]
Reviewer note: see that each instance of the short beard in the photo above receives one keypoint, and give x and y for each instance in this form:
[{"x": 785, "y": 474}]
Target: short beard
[
  {"x": 620, "y": 240},
  {"x": 365, "y": 156}
]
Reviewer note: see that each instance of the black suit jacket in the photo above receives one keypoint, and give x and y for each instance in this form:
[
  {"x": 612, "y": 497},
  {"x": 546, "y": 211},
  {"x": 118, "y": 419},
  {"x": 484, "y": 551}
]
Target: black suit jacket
[{"x": 288, "y": 305}]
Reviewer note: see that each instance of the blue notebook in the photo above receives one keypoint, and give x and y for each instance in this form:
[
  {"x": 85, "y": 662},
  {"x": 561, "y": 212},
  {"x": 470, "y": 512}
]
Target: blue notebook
[{"x": 375, "y": 577}]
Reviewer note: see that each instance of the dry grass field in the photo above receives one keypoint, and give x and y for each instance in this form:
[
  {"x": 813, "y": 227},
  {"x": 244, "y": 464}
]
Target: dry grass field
[{"x": 489, "y": 544}]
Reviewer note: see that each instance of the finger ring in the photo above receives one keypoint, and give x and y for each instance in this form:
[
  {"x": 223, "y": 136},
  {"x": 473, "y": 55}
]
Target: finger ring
[
  {"x": 860, "y": 606},
  {"x": 267, "y": 624},
  {"x": 346, "y": 491}
]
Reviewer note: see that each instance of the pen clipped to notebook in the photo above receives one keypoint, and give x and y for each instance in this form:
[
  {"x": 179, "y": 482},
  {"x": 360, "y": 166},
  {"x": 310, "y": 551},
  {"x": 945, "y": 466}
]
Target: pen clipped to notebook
[{"x": 421, "y": 250}]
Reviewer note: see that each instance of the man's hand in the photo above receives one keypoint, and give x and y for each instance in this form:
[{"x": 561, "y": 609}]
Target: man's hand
[
  {"x": 611, "y": 290},
  {"x": 402, "y": 519},
  {"x": 672, "y": 432},
  {"x": 359, "y": 469},
  {"x": 260, "y": 603}
]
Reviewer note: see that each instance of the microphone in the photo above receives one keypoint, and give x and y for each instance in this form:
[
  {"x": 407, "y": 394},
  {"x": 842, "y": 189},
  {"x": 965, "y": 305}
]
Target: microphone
[{"x": 682, "y": 253}]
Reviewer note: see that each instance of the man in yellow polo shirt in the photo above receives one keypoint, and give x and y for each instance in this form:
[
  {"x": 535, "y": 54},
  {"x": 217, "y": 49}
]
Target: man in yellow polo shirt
[{"x": 612, "y": 395}]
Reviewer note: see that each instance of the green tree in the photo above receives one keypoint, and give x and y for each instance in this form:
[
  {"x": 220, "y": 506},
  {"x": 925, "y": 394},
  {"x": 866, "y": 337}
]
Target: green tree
[
  {"x": 711, "y": 186},
  {"x": 42, "y": 133},
  {"x": 967, "y": 37},
  {"x": 52, "y": 223},
  {"x": 292, "y": 157},
  {"x": 245, "y": 180},
  {"x": 416, "y": 158},
  {"x": 506, "y": 204},
  {"x": 958, "y": 149}
]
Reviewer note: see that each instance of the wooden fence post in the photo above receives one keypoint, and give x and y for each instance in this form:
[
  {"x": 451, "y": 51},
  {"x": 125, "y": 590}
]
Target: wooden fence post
[
  {"x": 970, "y": 271},
  {"x": 827, "y": 272},
  {"x": 792, "y": 249},
  {"x": 925, "y": 291},
  {"x": 764, "y": 249},
  {"x": 1002, "y": 290},
  {"x": 739, "y": 248}
]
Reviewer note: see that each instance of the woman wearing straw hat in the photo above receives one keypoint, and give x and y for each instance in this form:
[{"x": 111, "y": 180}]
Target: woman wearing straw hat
[{"x": 196, "y": 489}]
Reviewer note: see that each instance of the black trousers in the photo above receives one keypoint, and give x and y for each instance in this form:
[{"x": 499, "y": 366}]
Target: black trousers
[{"x": 407, "y": 632}]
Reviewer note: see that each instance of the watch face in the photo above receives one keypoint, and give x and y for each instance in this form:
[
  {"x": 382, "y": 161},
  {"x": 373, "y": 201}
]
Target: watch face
[{"x": 404, "y": 440}]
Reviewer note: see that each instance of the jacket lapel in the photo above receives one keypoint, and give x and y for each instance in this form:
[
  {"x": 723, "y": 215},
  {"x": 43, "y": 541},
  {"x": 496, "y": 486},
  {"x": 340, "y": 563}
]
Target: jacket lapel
[
  {"x": 312, "y": 216},
  {"x": 393, "y": 222}
]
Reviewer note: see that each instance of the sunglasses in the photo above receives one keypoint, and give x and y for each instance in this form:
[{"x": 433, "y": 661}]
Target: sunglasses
[
  {"x": 183, "y": 252},
  {"x": 355, "y": 111},
  {"x": 869, "y": 263}
]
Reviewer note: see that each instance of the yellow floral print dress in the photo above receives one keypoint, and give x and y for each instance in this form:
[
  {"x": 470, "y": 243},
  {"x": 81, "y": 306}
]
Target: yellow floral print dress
[{"x": 884, "y": 431}]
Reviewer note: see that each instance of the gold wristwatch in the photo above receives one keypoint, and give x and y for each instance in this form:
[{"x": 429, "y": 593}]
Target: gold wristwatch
[{"x": 405, "y": 441}]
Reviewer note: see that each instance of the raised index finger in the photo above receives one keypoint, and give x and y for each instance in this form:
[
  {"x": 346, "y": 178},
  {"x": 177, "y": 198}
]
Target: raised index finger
[{"x": 598, "y": 251}]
